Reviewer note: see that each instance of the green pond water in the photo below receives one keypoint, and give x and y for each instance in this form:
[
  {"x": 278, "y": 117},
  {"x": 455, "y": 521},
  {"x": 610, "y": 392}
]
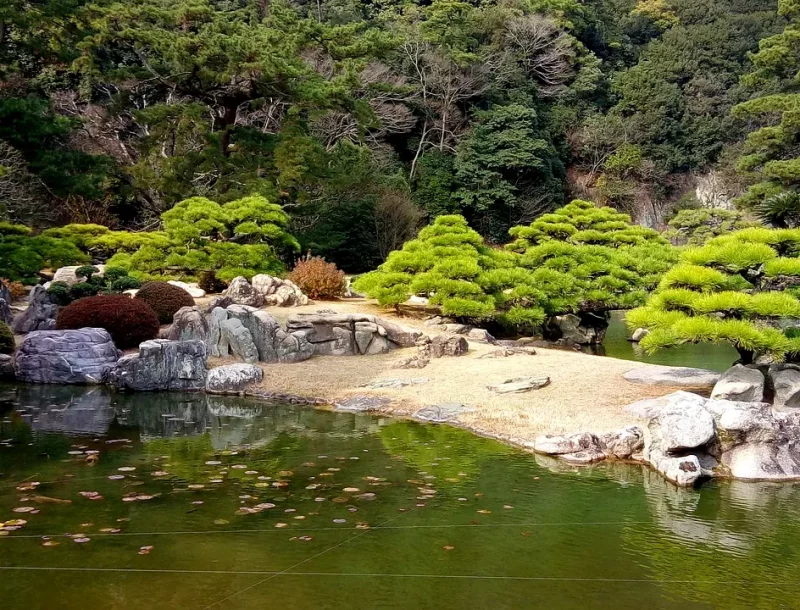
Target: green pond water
[
  {"x": 200, "y": 502},
  {"x": 711, "y": 356}
]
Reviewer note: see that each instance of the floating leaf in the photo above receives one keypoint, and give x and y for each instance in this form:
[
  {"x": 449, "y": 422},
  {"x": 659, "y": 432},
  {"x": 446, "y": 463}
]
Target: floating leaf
[
  {"x": 340, "y": 520},
  {"x": 80, "y": 539},
  {"x": 280, "y": 525},
  {"x": 221, "y": 522},
  {"x": 116, "y": 477},
  {"x": 160, "y": 473},
  {"x": 24, "y": 509},
  {"x": 28, "y": 486},
  {"x": 195, "y": 486},
  {"x": 351, "y": 490},
  {"x": 447, "y": 547},
  {"x": 126, "y": 468},
  {"x": 213, "y": 463},
  {"x": 483, "y": 511},
  {"x": 145, "y": 550}
]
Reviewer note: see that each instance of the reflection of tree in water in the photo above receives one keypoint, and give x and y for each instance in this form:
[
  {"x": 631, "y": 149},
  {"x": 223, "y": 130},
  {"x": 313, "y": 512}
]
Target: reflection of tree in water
[
  {"x": 740, "y": 533},
  {"x": 453, "y": 451}
]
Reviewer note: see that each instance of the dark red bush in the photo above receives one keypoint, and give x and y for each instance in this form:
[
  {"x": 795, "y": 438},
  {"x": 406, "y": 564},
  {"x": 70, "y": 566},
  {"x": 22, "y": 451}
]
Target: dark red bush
[
  {"x": 165, "y": 299},
  {"x": 128, "y": 321}
]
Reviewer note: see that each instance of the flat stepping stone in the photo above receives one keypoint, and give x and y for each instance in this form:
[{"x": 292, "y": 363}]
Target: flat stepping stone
[
  {"x": 676, "y": 376},
  {"x": 361, "y": 404},
  {"x": 519, "y": 384},
  {"x": 394, "y": 383},
  {"x": 440, "y": 414}
]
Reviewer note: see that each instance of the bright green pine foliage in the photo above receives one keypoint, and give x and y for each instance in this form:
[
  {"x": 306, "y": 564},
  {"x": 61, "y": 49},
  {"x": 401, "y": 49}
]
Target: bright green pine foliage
[
  {"x": 23, "y": 255},
  {"x": 585, "y": 258},
  {"x": 243, "y": 237},
  {"x": 450, "y": 264},
  {"x": 694, "y": 227},
  {"x": 738, "y": 288}
]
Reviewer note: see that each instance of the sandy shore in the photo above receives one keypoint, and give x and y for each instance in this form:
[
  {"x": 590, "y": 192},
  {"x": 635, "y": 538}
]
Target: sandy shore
[{"x": 586, "y": 393}]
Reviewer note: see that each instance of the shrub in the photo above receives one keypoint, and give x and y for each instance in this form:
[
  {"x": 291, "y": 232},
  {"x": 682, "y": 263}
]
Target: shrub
[
  {"x": 164, "y": 299},
  {"x": 60, "y": 293},
  {"x": 318, "y": 279},
  {"x": 7, "y": 344},
  {"x": 208, "y": 281},
  {"x": 114, "y": 280},
  {"x": 696, "y": 227},
  {"x": 83, "y": 289},
  {"x": 17, "y": 290},
  {"x": 128, "y": 321},
  {"x": 22, "y": 255},
  {"x": 738, "y": 288}
]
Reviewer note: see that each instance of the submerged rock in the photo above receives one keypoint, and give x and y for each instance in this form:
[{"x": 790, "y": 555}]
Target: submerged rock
[
  {"x": 162, "y": 365},
  {"x": 440, "y": 414},
  {"x": 623, "y": 443},
  {"x": 740, "y": 383},
  {"x": 361, "y": 404},
  {"x": 66, "y": 356}
]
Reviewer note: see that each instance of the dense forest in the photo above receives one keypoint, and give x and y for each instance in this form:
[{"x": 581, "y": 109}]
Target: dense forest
[{"x": 365, "y": 120}]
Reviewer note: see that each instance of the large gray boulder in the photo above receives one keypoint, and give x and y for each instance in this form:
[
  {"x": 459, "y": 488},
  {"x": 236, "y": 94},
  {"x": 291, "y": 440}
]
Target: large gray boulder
[
  {"x": 162, "y": 364},
  {"x": 785, "y": 381},
  {"x": 40, "y": 314},
  {"x": 740, "y": 383},
  {"x": 549, "y": 444},
  {"x": 623, "y": 443},
  {"x": 233, "y": 378},
  {"x": 86, "y": 356},
  {"x": 277, "y": 292},
  {"x": 235, "y": 339},
  {"x": 683, "y": 426},
  {"x": 570, "y": 329},
  {"x": 241, "y": 292}
]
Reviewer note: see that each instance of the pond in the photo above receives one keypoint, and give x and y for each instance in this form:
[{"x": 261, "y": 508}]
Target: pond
[
  {"x": 711, "y": 356},
  {"x": 164, "y": 501}
]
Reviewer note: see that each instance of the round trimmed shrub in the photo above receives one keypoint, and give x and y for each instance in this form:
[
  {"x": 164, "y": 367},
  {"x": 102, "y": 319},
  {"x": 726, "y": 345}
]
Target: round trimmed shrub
[
  {"x": 165, "y": 299},
  {"x": 318, "y": 279},
  {"x": 128, "y": 321},
  {"x": 7, "y": 344}
]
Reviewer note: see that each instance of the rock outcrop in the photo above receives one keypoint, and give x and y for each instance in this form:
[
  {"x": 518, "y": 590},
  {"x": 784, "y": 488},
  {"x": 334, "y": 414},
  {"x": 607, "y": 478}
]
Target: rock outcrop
[
  {"x": 570, "y": 329},
  {"x": 448, "y": 345},
  {"x": 162, "y": 364},
  {"x": 740, "y": 383},
  {"x": 66, "y": 356},
  {"x": 350, "y": 334},
  {"x": 40, "y": 314},
  {"x": 233, "y": 378},
  {"x": 519, "y": 384},
  {"x": 588, "y": 448},
  {"x": 265, "y": 290},
  {"x": 189, "y": 323},
  {"x": 674, "y": 376}
]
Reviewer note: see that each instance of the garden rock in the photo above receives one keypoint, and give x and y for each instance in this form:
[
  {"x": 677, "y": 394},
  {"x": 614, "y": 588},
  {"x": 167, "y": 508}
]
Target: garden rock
[
  {"x": 481, "y": 335},
  {"x": 5, "y": 304},
  {"x": 277, "y": 292},
  {"x": 785, "y": 380},
  {"x": 740, "y": 383},
  {"x": 67, "y": 274},
  {"x": 394, "y": 383},
  {"x": 361, "y": 404},
  {"x": 220, "y": 300},
  {"x": 233, "y": 378},
  {"x": 505, "y": 352},
  {"x": 440, "y": 414},
  {"x": 242, "y": 293},
  {"x": 639, "y": 334},
  {"x": 189, "y": 323},
  {"x": 681, "y": 426},
  {"x": 675, "y": 376},
  {"x": 569, "y": 328},
  {"x": 549, "y": 444},
  {"x": 448, "y": 345},
  {"x": 66, "y": 356},
  {"x": 623, "y": 443},
  {"x": 350, "y": 334},
  {"x": 519, "y": 384},
  {"x": 162, "y": 365},
  {"x": 237, "y": 340},
  {"x": 40, "y": 314},
  {"x": 193, "y": 289}
]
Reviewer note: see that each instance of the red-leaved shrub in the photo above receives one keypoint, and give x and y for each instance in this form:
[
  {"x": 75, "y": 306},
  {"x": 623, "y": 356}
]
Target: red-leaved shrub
[
  {"x": 128, "y": 321},
  {"x": 165, "y": 299},
  {"x": 318, "y": 279}
]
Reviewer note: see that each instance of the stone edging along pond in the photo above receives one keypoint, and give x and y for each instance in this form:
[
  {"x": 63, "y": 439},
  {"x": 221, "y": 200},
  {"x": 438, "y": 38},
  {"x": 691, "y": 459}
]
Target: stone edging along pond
[{"x": 687, "y": 438}]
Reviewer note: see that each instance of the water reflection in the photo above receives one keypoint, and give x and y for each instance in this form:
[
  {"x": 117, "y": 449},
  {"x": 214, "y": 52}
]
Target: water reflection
[{"x": 229, "y": 421}]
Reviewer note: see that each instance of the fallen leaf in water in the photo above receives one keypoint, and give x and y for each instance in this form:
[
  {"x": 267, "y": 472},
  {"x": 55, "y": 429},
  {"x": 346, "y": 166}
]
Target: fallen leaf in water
[
  {"x": 215, "y": 481},
  {"x": 265, "y": 505},
  {"x": 420, "y": 505},
  {"x": 85, "y": 525},
  {"x": 213, "y": 463},
  {"x": 285, "y": 473},
  {"x": 351, "y": 490},
  {"x": 239, "y": 466},
  {"x": 452, "y": 480},
  {"x": 279, "y": 525},
  {"x": 415, "y": 481},
  {"x": 507, "y": 506},
  {"x": 74, "y": 452},
  {"x": 221, "y": 522},
  {"x": 340, "y": 520},
  {"x": 339, "y": 500},
  {"x": 299, "y": 517},
  {"x": 137, "y": 497},
  {"x": 92, "y": 495},
  {"x": 126, "y": 468},
  {"x": 116, "y": 477},
  {"x": 195, "y": 486},
  {"x": 81, "y": 539},
  {"x": 251, "y": 472},
  {"x": 334, "y": 469},
  {"x": 4, "y": 532},
  {"x": 526, "y": 533},
  {"x": 462, "y": 499},
  {"x": 160, "y": 473},
  {"x": 447, "y": 547},
  {"x": 483, "y": 511},
  {"x": 308, "y": 464},
  {"x": 362, "y": 526},
  {"x": 28, "y": 486},
  {"x": 305, "y": 538},
  {"x": 109, "y": 530},
  {"x": 262, "y": 485},
  {"x": 24, "y": 509},
  {"x": 198, "y": 502},
  {"x": 47, "y": 500},
  {"x": 367, "y": 496},
  {"x": 145, "y": 550},
  {"x": 47, "y": 542}
]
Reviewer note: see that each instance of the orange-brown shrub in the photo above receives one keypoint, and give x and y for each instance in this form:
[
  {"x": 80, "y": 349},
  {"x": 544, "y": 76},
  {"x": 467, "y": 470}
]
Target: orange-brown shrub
[
  {"x": 128, "y": 321},
  {"x": 16, "y": 289},
  {"x": 318, "y": 279}
]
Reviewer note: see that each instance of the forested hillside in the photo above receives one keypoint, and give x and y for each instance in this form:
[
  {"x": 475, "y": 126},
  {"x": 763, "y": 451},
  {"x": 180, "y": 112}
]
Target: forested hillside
[{"x": 366, "y": 119}]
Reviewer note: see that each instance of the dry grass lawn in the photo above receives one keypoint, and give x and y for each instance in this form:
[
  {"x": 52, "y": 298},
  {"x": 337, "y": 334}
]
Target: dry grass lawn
[{"x": 586, "y": 392}]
